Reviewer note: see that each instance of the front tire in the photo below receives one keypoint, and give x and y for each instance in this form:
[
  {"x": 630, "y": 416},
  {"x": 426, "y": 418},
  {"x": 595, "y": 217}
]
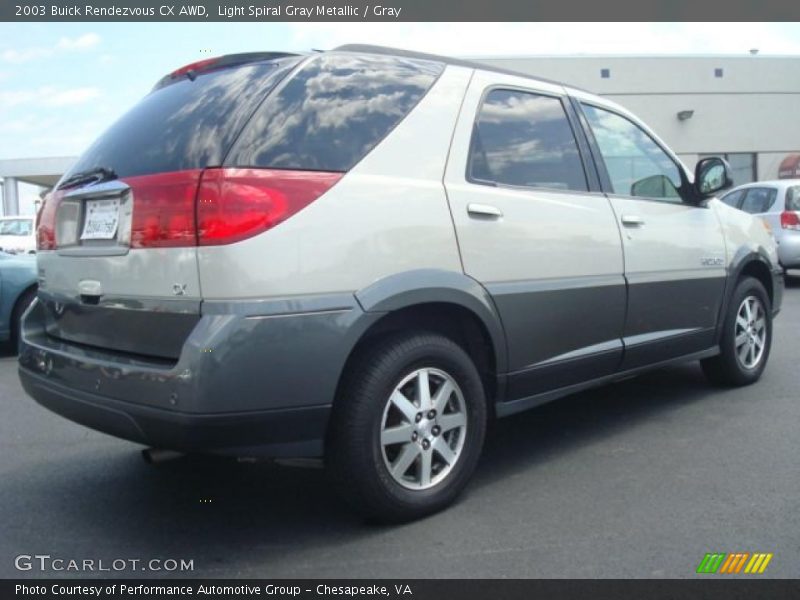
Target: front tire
[
  {"x": 746, "y": 337},
  {"x": 407, "y": 428}
]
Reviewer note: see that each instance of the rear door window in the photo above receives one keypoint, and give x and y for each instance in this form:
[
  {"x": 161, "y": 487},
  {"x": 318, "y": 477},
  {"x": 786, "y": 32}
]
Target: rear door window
[
  {"x": 758, "y": 200},
  {"x": 524, "y": 139},
  {"x": 187, "y": 124},
  {"x": 333, "y": 111}
]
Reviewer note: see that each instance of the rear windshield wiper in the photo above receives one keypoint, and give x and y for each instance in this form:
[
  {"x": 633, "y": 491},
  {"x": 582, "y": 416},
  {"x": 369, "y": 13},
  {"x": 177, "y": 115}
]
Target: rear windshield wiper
[{"x": 95, "y": 175}]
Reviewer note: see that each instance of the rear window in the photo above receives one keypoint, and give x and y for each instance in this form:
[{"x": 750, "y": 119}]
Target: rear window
[
  {"x": 733, "y": 198},
  {"x": 793, "y": 197},
  {"x": 188, "y": 124},
  {"x": 758, "y": 200},
  {"x": 333, "y": 111}
]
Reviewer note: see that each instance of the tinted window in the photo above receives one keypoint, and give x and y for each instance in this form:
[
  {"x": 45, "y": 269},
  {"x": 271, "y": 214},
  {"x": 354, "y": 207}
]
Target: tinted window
[
  {"x": 524, "y": 139},
  {"x": 333, "y": 111},
  {"x": 758, "y": 200},
  {"x": 733, "y": 198},
  {"x": 186, "y": 124},
  {"x": 793, "y": 197},
  {"x": 636, "y": 165}
]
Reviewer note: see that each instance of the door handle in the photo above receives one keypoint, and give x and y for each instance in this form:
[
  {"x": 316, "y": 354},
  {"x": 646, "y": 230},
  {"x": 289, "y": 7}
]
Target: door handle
[
  {"x": 484, "y": 210},
  {"x": 632, "y": 221}
]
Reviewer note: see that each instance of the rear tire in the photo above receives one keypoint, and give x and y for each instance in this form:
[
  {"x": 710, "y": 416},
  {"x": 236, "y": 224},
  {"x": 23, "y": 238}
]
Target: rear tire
[
  {"x": 746, "y": 337},
  {"x": 395, "y": 452}
]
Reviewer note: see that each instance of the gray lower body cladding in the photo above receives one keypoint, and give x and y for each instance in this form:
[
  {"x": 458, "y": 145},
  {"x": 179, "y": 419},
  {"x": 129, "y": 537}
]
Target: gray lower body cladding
[
  {"x": 252, "y": 378},
  {"x": 565, "y": 332}
]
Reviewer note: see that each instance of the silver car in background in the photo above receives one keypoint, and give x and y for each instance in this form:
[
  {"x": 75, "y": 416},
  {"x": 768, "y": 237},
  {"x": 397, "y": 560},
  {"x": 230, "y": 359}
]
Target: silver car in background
[{"x": 778, "y": 203}]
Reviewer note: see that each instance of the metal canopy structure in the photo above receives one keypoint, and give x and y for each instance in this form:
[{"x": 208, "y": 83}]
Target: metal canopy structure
[{"x": 44, "y": 172}]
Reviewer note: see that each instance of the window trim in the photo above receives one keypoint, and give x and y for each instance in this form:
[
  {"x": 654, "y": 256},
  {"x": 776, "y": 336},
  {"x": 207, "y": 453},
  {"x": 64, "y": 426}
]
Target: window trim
[
  {"x": 684, "y": 192},
  {"x": 561, "y": 98}
]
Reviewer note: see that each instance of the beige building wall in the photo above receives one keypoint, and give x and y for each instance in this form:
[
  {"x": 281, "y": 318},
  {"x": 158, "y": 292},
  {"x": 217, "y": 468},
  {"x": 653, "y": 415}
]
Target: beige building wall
[{"x": 750, "y": 106}]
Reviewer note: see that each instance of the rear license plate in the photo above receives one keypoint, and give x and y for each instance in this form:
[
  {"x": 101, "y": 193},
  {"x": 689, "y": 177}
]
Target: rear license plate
[{"x": 102, "y": 220}]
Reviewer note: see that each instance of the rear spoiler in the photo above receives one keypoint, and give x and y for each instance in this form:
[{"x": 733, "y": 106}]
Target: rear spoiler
[{"x": 220, "y": 62}]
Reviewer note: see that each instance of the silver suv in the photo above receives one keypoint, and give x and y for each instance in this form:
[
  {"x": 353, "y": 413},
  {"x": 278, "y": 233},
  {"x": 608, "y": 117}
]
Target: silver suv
[
  {"x": 366, "y": 254},
  {"x": 778, "y": 204}
]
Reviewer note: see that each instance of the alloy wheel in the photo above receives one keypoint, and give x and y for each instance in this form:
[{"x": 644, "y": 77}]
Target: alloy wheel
[
  {"x": 423, "y": 428},
  {"x": 750, "y": 336}
]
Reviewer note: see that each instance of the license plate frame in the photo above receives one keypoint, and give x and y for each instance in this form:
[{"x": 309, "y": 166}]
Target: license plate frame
[{"x": 101, "y": 221}]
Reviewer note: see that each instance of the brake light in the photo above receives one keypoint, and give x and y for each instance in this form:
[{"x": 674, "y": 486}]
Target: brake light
[
  {"x": 790, "y": 220},
  {"x": 235, "y": 204},
  {"x": 163, "y": 209},
  {"x": 195, "y": 66},
  {"x": 46, "y": 222}
]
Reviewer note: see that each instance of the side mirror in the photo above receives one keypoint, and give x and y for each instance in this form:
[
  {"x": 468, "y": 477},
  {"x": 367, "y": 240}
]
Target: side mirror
[{"x": 712, "y": 175}]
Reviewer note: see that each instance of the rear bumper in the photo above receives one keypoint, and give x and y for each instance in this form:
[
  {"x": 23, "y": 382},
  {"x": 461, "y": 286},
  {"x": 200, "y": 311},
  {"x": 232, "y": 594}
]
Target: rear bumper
[
  {"x": 255, "y": 379},
  {"x": 789, "y": 249},
  {"x": 287, "y": 432}
]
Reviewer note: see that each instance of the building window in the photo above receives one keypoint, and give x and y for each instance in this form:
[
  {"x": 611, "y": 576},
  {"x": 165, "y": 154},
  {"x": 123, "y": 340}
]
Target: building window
[
  {"x": 743, "y": 165},
  {"x": 605, "y": 73}
]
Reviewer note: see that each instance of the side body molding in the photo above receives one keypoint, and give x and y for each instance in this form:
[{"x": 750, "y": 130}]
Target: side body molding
[{"x": 424, "y": 286}]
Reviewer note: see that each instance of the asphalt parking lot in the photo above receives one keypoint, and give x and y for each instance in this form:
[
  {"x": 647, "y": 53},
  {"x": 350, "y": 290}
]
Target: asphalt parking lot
[{"x": 636, "y": 479}]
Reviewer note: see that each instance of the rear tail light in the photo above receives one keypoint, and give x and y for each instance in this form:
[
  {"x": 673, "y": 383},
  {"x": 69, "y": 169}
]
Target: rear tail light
[
  {"x": 46, "y": 222},
  {"x": 790, "y": 220},
  {"x": 235, "y": 204},
  {"x": 204, "y": 207},
  {"x": 163, "y": 209}
]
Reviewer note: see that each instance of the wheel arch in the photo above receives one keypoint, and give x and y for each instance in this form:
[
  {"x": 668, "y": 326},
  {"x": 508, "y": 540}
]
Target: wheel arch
[
  {"x": 441, "y": 301},
  {"x": 752, "y": 262},
  {"x": 17, "y": 302},
  {"x": 428, "y": 287}
]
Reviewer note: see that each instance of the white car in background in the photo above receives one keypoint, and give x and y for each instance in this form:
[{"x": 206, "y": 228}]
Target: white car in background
[
  {"x": 17, "y": 235},
  {"x": 778, "y": 203}
]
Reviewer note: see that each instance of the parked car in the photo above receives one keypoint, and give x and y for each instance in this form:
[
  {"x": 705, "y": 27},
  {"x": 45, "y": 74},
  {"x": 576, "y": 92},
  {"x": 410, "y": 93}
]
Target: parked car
[
  {"x": 365, "y": 254},
  {"x": 17, "y": 291},
  {"x": 778, "y": 204},
  {"x": 17, "y": 235}
]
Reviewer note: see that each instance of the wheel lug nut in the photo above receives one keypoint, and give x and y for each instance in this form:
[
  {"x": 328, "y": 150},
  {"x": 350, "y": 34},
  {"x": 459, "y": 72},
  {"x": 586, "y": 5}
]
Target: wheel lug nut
[
  {"x": 432, "y": 414},
  {"x": 426, "y": 444},
  {"x": 436, "y": 430},
  {"x": 419, "y": 417},
  {"x": 414, "y": 436}
]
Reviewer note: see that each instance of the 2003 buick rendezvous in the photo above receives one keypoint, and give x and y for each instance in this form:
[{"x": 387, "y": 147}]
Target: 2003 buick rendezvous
[{"x": 364, "y": 254}]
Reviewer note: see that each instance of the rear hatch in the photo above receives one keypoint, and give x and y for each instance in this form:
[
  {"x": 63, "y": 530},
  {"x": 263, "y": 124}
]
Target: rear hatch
[
  {"x": 118, "y": 237},
  {"x": 211, "y": 157}
]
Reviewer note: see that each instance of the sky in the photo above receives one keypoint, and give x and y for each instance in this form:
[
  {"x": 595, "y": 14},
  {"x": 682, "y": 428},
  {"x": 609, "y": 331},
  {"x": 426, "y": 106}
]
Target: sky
[{"x": 62, "y": 84}]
